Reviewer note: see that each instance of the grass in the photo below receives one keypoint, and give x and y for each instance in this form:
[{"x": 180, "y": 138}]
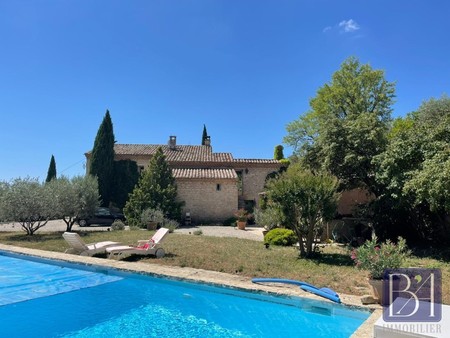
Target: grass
[{"x": 333, "y": 268}]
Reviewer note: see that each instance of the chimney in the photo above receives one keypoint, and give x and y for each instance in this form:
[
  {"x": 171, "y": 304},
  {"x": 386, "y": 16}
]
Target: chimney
[
  {"x": 208, "y": 141},
  {"x": 172, "y": 142}
]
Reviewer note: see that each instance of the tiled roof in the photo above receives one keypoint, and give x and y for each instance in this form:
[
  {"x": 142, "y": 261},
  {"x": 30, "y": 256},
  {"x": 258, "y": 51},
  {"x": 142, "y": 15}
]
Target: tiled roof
[
  {"x": 182, "y": 153},
  {"x": 255, "y": 160},
  {"x": 205, "y": 173}
]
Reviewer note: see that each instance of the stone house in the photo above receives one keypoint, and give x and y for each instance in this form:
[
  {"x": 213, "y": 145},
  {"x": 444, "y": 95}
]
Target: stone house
[{"x": 212, "y": 185}]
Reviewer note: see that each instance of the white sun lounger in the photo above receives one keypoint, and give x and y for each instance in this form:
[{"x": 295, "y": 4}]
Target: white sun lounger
[
  {"x": 77, "y": 245},
  {"x": 145, "y": 247}
]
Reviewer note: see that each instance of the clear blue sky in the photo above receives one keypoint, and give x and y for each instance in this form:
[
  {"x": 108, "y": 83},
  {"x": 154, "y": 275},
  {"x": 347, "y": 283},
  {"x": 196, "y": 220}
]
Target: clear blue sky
[{"x": 243, "y": 68}]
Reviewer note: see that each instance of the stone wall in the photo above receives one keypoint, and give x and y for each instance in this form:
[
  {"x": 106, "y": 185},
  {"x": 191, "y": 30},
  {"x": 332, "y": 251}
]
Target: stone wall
[
  {"x": 351, "y": 198},
  {"x": 206, "y": 201},
  {"x": 253, "y": 180}
]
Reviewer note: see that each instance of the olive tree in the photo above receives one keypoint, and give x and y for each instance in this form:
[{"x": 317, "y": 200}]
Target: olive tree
[
  {"x": 28, "y": 202},
  {"x": 74, "y": 198},
  {"x": 307, "y": 201}
]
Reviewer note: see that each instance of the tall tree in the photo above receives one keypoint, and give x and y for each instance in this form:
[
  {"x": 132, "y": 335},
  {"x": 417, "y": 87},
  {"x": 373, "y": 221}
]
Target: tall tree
[
  {"x": 156, "y": 189},
  {"x": 414, "y": 172},
  {"x": 347, "y": 125},
  {"x": 126, "y": 176},
  {"x": 51, "y": 173},
  {"x": 102, "y": 159},
  {"x": 278, "y": 152},
  {"x": 204, "y": 135}
]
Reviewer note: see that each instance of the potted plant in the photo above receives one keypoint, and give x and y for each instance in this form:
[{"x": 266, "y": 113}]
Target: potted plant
[
  {"x": 242, "y": 216},
  {"x": 377, "y": 257},
  {"x": 150, "y": 218}
]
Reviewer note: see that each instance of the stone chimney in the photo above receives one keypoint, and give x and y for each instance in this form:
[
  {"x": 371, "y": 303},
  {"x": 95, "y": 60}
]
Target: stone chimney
[
  {"x": 172, "y": 142},
  {"x": 208, "y": 141}
]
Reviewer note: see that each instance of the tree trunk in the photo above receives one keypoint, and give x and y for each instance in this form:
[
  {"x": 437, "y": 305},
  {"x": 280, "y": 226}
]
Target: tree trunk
[
  {"x": 310, "y": 237},
  {"x": 69, "y": 223}
]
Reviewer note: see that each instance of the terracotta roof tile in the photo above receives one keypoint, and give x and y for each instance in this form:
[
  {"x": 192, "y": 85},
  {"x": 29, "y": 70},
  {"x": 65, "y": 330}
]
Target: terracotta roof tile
[
  {"x": 182, "y": 153},
  {"x": 255, "y": 160},
  {"x": 204, "y": 173}
]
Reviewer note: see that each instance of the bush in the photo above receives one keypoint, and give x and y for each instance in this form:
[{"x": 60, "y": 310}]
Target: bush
[
  {"x": 269, "y": 218},
  {"x": 376, "y": 257},
  {"x": 283, "y": 237},
  {"x": 198, "y": 232},
  {"x": 117, "y": 225},
  {"x": 170, "y": 224},
  {"x": 151, "y": 216}
]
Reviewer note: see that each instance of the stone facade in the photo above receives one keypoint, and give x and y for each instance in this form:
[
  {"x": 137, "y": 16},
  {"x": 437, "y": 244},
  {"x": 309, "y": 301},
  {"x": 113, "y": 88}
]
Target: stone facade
[
  {"x": 208, "y": 200},
  {"x": 352, "y": 198},
  {"x": 253, "y": 174},
  {"x": 212, "y": 185}
]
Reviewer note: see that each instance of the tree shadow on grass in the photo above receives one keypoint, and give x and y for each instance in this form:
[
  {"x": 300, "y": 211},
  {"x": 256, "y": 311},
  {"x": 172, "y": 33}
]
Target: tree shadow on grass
[
  {"x": 42, "y": 237},
  {"x": 441, "y": 254},
  {"x": 147, "y": 258}
]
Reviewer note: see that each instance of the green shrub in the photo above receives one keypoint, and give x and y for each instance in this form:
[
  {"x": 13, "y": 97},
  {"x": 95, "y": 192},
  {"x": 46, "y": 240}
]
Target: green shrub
[
  {"x": 150, "y": 218},
  {"x": 376, "y": 257},
  {"x": 269, "y": 218},
  {"x": 198, "y": 232},
  {"x": 117, "y": 225},
  {"x": 283, "y": 237},
  {"x": 170, "y": 224}
]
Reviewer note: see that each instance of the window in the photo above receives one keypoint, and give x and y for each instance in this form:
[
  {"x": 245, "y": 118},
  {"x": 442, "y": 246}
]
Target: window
[{"x": 218, "y": 187}]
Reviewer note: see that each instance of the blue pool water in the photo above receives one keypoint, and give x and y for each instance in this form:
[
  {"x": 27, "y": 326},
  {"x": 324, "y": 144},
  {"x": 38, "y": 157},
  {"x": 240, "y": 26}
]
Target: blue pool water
[{"x": 78, "y": 301}]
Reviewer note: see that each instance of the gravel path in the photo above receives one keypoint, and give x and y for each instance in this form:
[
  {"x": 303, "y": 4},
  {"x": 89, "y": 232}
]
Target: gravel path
[{"x": 251, "y": 232}]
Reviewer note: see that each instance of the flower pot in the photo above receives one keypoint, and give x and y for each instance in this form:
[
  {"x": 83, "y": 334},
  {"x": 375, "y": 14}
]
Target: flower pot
[
  {"x": 241, "y": 225},
  {"x": 378, "y": 287}
]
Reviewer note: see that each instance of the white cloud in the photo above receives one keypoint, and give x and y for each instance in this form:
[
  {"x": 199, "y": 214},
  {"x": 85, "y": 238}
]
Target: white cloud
[
  {"x": 326, "y": 29},
  {"x": 349, "y": 25}
]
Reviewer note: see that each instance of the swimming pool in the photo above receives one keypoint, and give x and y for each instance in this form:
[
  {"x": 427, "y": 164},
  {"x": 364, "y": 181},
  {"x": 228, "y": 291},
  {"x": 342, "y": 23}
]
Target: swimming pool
[{"x": 69, "y": 300}]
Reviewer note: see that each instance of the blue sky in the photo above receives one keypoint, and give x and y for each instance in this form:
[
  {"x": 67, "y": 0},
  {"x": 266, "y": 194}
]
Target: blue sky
[{"x": 243, "y": 68}]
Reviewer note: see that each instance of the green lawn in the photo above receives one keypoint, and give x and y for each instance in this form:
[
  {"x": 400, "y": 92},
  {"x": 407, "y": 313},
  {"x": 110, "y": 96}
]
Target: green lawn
[{"x": 333, "y": 269}]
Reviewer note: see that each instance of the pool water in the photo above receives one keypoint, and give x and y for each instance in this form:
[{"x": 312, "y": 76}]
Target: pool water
[{"x": 118, "y": 304}]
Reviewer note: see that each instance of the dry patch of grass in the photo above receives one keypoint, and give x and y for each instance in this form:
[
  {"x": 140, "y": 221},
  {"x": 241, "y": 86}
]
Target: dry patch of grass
[{"x": 333, "y": 268}]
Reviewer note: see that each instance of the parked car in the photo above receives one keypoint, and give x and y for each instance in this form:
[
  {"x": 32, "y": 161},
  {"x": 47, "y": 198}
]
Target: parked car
[{"x": 102, "y": 216}]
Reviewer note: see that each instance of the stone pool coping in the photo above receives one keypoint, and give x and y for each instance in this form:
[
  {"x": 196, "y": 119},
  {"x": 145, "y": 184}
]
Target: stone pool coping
[{"x": 205, "y": 276}]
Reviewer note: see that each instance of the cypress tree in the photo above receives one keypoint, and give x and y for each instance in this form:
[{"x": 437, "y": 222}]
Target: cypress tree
[
  {"x": 156, "y": 189},
  {"x": 278, "y": 152},
  {"x": 51, "y": 173},
  {"x": 102, "y": 159},
  {"x": 205, "y": 135}
]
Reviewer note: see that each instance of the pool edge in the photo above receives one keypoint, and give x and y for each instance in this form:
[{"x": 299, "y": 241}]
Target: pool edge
[{"x": 203, "y": 276}]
